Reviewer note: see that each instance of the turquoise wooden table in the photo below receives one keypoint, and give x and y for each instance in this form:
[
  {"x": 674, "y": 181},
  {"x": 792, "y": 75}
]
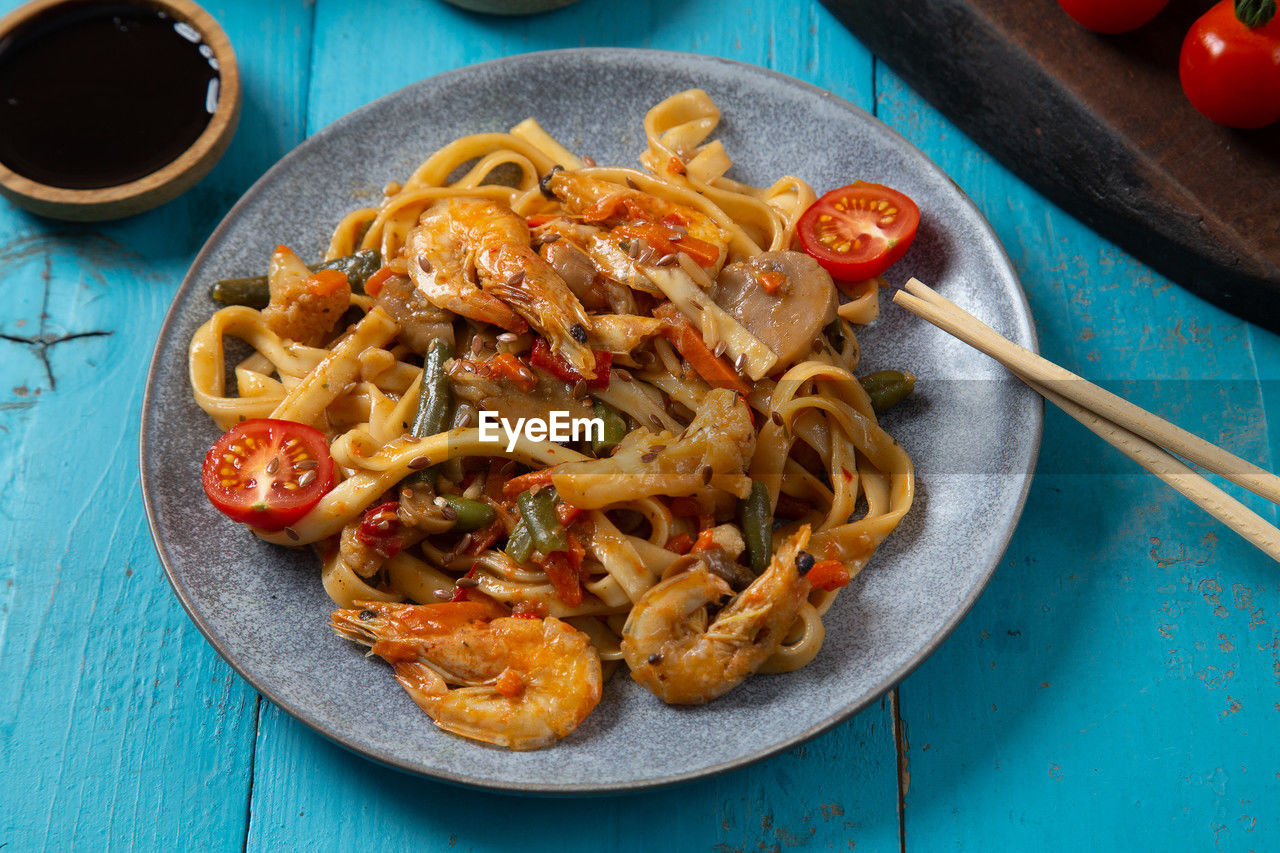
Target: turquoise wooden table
[{"x": 1118, "y": 684}]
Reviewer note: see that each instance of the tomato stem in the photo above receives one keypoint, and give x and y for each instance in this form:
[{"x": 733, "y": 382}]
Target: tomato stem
[{"x": 1255, "y": 13}]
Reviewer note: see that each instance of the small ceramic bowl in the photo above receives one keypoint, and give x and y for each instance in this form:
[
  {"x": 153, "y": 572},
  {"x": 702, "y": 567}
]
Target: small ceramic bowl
[{"x": 170, "y": 180}]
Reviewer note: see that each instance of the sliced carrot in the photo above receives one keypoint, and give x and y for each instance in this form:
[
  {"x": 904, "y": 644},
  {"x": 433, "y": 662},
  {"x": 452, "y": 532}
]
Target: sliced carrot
[
  {"x": 828, "y": 575},
  {"x": 374, "y": 283},
  {"x": 525, "y": 482},
  {"x": 327, "y": 282},
  {"x": 705, "y": 542},
  {"x": 679, "y": 544},
  {"x": 717, "y": 371},
  {"x": 771, "y": 282},
  {"x": 704, "y": 254}
]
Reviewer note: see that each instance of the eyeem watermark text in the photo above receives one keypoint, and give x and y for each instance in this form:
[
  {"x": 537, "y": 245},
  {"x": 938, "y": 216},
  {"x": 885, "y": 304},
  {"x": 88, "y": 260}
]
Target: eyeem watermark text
[{"x": 559, "y": 426}]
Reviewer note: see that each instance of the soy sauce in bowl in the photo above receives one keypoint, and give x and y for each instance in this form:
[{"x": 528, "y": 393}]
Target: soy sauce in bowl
[{"x": 98, "y": 95}]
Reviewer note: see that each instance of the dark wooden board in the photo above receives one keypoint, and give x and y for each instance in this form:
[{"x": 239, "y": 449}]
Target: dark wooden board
[{"x": 1100, "y": 125}]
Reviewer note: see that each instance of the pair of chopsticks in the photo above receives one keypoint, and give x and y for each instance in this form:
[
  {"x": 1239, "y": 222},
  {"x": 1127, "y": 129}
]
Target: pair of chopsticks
[{"x": 1135, "y": 432}]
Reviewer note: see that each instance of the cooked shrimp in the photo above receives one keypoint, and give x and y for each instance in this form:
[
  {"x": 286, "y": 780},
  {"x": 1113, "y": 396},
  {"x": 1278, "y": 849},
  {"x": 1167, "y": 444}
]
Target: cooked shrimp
[
  {"x": 522, "y": 683},
  {"x": 684, "y": 661},
  {"x": 472, "y": 257},
  {"x": 665, "y": 226}
]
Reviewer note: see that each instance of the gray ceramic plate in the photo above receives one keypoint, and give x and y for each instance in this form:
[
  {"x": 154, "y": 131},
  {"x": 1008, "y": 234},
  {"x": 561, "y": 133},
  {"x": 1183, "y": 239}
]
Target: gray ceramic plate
[{"x": 974, "y": 434}]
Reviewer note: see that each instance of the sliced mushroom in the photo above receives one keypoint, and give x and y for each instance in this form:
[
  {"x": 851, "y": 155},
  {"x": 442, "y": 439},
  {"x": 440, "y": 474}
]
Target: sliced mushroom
[
  {"x": 420, "y": 322},
  {"x": 571, "y": 264},
  {"x": 787, "y": 320}
]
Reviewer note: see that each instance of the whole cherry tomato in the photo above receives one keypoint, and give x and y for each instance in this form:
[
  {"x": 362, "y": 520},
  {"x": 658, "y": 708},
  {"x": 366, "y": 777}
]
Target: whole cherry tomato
[
  {"x": 1112, "y": 16},
  {"x": 1230, "y": 63}
]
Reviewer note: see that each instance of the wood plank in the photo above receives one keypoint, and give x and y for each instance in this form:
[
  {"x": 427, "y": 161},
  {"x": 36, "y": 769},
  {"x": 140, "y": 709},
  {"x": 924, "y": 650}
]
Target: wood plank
[
  {"x": 1117, "y": 680},
  {"x": 1100, "y": 124},
  {"x": 831, "y": 793},
  {"x": 118, "y": 720},
  {"x": 838, "y": 790}
]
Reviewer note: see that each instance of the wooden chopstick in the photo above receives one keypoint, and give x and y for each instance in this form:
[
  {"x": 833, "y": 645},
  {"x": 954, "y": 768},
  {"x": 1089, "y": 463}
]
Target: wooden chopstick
[
  {"x": 1132, "y": 430},
  {"x": 1022, "y": 361}
]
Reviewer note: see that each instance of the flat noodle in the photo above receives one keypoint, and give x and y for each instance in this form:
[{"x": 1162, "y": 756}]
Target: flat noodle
[{"x": 815, "y": 443}]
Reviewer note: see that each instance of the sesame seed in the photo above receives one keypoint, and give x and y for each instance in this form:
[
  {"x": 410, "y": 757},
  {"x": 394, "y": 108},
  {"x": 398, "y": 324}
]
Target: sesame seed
[
  {"x": 467, "y": 583},
  {"x": 550, "y": 238},
  {"x": 624, "y": 375},
  {"x": 292, "y": 534},
  {"x": 632, "y": 184},
  {"x": 721, "y": 346},
  {"x": 306, "y": 465},
  {"x": 507, "y": 337},
  {"x": 650, "y": 456},
  {"x": 419, "y": 462},
  {"x": 656, "y": 421},
  {"x": 449, "y": 513},
  {"x": 307, "y": 479},
  {"x": 706, "y": 474},
  {"x": 579, "y": 389},
  {"x": 776, "y": 418},
  {"x": 633, "y": 248},
  {"x": 667, "y": 260},
  {"x": 477, "y": 344},
  {"x": 465, "y": 420},
  {"x": 424, "y": 264},
  {"x": 740, "y": 362},
  {"x": 274, "y": 465},
  {"x": 515, "y": 278}
]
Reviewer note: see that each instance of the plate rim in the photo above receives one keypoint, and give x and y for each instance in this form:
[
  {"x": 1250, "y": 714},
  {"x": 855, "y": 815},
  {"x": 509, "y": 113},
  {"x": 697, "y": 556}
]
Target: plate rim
[{"x": 1025, "y": 324}]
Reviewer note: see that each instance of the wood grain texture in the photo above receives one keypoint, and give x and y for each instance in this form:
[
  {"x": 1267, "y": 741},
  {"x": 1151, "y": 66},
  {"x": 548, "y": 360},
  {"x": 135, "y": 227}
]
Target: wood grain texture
[
  {"x": 1117, "y": 681},
  {"x": 119, "y": 726},
  {"x": 1116, "y": 684},
  {"x": 1100, "y": 124}
]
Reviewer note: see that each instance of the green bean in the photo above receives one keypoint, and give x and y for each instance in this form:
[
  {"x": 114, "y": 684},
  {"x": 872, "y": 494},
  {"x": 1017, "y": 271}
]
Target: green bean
[
  {"x": 887, "y": 388},
  {"x": 252, "y": 291},
  {"x": 472, "y": 515},
  {"x": 539, "y": 514},
  {"x": 757, "y": 526},
  {"x": 434, "y": 395},
  {"x": 434, "y": 399},
  {"x": 358, "y": 267},
  {"x": 835, "y": 333},
  {"x": 255, "y": 292},
  {"x": 615, "y": 429},
  {"x": 520, "y": 543}
]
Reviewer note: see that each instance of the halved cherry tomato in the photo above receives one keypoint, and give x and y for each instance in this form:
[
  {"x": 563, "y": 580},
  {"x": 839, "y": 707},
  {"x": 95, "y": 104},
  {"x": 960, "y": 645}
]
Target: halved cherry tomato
[
  {"x": 268, "y": 473},
  {"x": 858, "y": 231},
  {"x": 1230, "y": 64},
  {"x": 1112, "y": 16}
]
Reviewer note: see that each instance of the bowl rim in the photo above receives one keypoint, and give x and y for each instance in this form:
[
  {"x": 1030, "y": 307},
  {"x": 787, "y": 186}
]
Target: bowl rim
[{"x": 165, "y": 183}]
